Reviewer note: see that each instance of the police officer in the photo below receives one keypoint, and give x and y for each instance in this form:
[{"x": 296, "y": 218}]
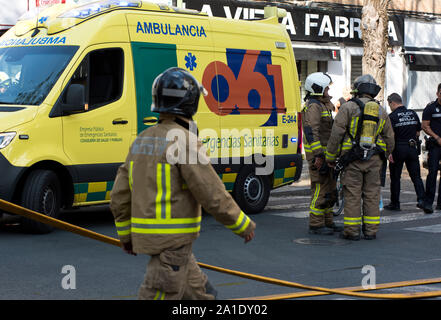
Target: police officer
[
  {"x": 432, "y": 126},
  {"x": 317, "y": 124},
  {"x": 407, "y": 127},
  {"x": 159, "y": 190},
  {"x": 361, "y": 133}
]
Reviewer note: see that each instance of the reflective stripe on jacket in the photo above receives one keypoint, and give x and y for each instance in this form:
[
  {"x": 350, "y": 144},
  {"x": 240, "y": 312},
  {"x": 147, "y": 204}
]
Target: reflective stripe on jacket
[{"x": 157, "y": 204}]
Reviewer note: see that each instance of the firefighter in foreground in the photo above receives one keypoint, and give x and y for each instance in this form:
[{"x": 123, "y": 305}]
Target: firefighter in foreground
[
  {"x": 363, "y": 133},
  {"x": 159, "y": 190},
  {"x": 317, "y": 124}
]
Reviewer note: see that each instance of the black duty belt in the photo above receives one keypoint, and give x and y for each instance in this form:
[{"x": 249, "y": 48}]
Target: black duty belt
[{"x": 410, "y": 142}]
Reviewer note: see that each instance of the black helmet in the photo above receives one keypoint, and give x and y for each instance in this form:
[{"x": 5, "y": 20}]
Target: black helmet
[
  {"x": 366, "y": 84},
  {"x": 176, "y": 91}
]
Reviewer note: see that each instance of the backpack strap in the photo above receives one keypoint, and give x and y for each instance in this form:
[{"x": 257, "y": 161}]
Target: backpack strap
[
  {"x": 312, "y": 100},
  {"x": 360, "y": 120},
  {"x": 309, "y": 102}
]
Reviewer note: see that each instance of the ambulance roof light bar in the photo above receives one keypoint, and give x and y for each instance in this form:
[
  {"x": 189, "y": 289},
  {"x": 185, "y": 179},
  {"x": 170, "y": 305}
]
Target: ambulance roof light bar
[{"x": 94, "y": 8}]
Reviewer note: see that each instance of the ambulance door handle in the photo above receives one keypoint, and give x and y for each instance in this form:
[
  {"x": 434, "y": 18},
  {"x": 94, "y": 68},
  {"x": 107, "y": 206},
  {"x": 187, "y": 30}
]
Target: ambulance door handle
[{"x": 119, "y": 121}]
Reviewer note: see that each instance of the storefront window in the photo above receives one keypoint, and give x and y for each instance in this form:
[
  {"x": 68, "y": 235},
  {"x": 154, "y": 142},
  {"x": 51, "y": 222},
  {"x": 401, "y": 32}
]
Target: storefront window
[
  {"x": 305, "y": 68},
  {"x": 356, "y": 67}
]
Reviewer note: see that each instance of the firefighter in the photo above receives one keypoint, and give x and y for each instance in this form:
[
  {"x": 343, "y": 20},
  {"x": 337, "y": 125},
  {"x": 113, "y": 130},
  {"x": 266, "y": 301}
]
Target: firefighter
[
  {"x": 158, "y": 192},
  {"x": 363, "y": 135},
  {"x": 317, "y": 123}
]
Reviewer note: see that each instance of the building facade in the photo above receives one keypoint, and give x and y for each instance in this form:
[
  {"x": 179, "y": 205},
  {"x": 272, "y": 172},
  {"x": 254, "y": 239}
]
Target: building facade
[{"x": 326, "y": 36}]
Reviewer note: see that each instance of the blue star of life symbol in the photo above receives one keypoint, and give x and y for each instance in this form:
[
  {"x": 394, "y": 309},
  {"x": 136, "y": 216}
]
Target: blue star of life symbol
[
  {"x": 43, "y": 20},
  {"x": 191, "y": 61}
]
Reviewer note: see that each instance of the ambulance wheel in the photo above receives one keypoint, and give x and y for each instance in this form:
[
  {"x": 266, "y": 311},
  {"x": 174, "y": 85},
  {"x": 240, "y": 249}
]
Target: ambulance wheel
[
  {"x": 41, "y": 193},
  {"x": 251, "y": 191}
]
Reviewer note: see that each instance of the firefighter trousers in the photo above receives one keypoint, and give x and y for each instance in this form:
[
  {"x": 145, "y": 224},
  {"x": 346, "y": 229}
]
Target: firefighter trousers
[
  {"x": 174, "y": 275},
  {"x": 361, "y": 187},
  {"x": 323, "y": 197}
]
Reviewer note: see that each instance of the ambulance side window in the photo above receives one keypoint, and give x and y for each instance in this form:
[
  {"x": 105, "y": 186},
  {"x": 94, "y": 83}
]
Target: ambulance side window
[{"x": 102, "y": 74}]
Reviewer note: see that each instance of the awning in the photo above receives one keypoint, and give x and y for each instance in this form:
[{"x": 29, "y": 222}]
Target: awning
[
  {"x": 316, "y": 54},
  {"x": 423, "y": 59}
]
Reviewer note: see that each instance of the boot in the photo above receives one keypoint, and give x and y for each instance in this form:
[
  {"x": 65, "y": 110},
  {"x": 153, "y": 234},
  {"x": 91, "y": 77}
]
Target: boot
[
  {"x": 428, "y": 208},
  {"x": 321, "y": 230},
  {"x": 349, "y": 237},
  {"x": 392, "y": 207},
  {"x": 335, "y": 227},
  {"x": 370, "y": 236}
]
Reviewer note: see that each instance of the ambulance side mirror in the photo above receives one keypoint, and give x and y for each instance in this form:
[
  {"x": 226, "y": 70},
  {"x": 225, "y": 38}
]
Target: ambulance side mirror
[{"x": 75, "y": 99}]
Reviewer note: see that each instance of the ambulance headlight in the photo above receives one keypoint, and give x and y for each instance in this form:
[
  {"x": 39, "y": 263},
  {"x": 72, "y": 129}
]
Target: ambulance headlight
[{"x": 6, "y": 138}]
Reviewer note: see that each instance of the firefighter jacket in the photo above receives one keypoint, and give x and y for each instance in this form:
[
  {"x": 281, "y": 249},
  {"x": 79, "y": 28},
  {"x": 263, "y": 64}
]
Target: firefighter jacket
[
  {"x": 317, "y": 124},
  {"x": 158, "y": 192},
  {"x": 346, "y": 122}
]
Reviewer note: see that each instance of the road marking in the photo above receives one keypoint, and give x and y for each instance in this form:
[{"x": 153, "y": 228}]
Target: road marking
[
  {"x": 408, "y": 217},
  {"x": 275, "y": 205},
  {"x": 280, "y": 198},
  {"x": 436, "y": 228},
  {"x": 413, "y": 289},
  {"x": 231, "y": 284},
  {"x": 298, "y": 214},
  {"x": 289, "y": 206},
  {"x": 385, "y": 219},
  {"x": 430, "y": 260}
]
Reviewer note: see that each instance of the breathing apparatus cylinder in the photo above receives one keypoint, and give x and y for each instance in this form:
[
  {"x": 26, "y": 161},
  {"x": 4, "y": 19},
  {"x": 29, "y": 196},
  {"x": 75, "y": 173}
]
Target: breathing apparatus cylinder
[{"x": 369, "y": 126}]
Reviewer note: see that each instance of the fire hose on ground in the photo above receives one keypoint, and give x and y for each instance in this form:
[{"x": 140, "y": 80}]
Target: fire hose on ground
[{"x": 314, "y": 290}]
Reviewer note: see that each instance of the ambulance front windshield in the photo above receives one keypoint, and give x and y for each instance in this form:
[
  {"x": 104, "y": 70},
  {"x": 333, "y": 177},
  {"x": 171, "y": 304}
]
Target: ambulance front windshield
[{"x": 27, "y": 74}]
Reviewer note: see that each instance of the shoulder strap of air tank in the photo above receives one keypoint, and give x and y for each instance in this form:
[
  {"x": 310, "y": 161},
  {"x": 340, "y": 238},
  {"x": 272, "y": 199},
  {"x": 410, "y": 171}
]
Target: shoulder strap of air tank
[
  {"x": 360, "y": 120},
  {"x": 312, "y": 100},
  {"x": 185, "y": 124}
]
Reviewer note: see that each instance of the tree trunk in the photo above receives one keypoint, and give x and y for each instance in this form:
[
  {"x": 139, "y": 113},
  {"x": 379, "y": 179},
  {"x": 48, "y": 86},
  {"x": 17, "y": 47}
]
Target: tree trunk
[{"x": 375, "y": 40}]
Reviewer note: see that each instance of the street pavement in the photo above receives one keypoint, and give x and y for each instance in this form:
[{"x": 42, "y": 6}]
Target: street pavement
[{"x": 407, "y": 248}]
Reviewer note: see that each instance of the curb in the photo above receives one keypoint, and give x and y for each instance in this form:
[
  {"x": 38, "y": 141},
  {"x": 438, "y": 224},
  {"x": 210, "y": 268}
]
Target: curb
[{"x": 299, "y": 188}]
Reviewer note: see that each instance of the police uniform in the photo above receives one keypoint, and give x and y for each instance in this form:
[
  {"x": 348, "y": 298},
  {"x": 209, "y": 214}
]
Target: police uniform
[
  {"x": 360, "y": 179},
  {"x": 432, "y": 113},
  {"x": 406, "y": 124},
  {"x": 317, "y": 124}
]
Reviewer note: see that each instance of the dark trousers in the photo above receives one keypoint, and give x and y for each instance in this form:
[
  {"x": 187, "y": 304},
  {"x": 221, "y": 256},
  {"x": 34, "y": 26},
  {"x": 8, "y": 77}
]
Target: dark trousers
[
  {"x": 405, "y": 154},
  {"x": 433, "y": 164}
]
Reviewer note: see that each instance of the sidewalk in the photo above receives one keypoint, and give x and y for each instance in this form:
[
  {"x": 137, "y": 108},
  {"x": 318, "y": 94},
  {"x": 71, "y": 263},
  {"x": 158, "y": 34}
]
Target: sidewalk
[{"x": 302, "y": 186}]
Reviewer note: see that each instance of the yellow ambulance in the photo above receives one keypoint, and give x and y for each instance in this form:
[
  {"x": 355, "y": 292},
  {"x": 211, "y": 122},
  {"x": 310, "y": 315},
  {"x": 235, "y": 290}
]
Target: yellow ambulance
[{"x": 78, "y": 91}]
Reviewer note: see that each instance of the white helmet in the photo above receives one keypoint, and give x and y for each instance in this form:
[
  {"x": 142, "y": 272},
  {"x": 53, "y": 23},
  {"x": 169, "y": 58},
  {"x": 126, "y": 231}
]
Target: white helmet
[{"x": 317, "y": 82}]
